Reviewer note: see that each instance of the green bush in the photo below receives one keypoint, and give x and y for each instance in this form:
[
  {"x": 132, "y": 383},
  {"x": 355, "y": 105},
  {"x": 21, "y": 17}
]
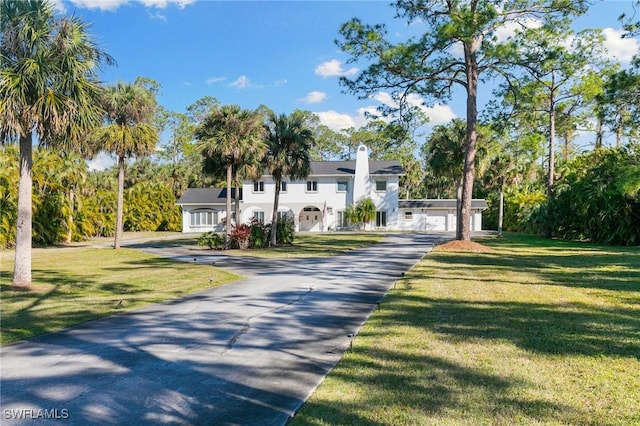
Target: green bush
[
  {"x": 211, "y": 239},
  {"x": 285, "y": 231},
  {"x": 259, "y": 235}
]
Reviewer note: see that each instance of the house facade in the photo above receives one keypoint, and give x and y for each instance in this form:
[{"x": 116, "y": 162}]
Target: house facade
[{"x": 318, "y": 203}]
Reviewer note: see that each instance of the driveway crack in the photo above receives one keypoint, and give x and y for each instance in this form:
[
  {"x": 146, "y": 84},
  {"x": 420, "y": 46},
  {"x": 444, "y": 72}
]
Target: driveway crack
[{"x": 246, "y": 326}]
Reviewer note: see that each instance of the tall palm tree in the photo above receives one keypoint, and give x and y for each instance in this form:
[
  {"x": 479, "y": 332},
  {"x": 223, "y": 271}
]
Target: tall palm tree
[
  {"x": 233, "y": 135},
  {"x": 289, "y": 140},
  {"x": 128, "y": 131},
  {"x": 48, "y": 87}
]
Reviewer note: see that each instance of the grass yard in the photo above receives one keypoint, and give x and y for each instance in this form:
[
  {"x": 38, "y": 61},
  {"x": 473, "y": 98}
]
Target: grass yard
[
  {"x": 75, "y": 285},
  {"x": 80, "y": 283},
  {"x": 313, "y": 245},
  {"x": 534, "y": 332}
]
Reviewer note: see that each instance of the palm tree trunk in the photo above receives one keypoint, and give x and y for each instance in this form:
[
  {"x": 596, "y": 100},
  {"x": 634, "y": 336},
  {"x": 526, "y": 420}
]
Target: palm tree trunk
[
  {"x": 236, "y": 198},
  {"x": 500, "y": 212},
  {"x": 22, "y": 265},
  {"x": 274, "y": 217},
  {"x": 70, "y": 218},
  {"x": 228, "y": 218},
  {"x": 119, "y": 214}
]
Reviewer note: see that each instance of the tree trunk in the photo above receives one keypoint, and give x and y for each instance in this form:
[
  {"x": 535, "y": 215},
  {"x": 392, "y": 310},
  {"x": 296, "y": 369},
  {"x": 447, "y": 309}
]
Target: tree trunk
[
  {"x": 228, "y": 213},
  {"x": 119, "y": 214},
  {"x": 70, "y": 219},
  {"x": 22, "y": 265},
  {"x": 599, "y": 132},
  {"x": 274, "y": 217},
  {"x": 500, "y": 213},
  {"x": 463, "y": 227},
  {"x": 548, "y": 232},
  {"x": 236, "y": 199}
]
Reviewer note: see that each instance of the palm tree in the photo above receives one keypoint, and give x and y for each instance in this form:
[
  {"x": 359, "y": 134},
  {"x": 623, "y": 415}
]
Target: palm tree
[
  {"x": 128, "y": 131},
  {"x": 235, "y": 136},
  {"x": 48, "y": 86},
  {"x": 289, "y": 140}
]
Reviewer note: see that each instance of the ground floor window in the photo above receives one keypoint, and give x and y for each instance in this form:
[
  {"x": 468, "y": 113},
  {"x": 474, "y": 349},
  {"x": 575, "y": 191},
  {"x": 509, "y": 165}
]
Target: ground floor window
[
  {"x": 408, "y": 215},
  {"x": 342, "y": 220},
  {"x": 203, "y": 218},
  {"x": 381, "y": 219},
  {"x": 259, "y": 216}
]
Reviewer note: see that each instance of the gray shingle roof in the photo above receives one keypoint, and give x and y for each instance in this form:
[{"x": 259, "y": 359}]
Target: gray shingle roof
[
  {"x": 206, "y": 195},
  {"x": 439, "y": 204},
  {"x": 347, "y": 168}
]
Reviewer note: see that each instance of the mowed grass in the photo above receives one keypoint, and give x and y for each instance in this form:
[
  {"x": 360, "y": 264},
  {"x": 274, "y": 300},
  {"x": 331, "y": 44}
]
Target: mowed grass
[
  {"x": 82, "y": 283},
  {"x": 316, "y": 245},
  {"x": 74, "y": 285},
  {"x": 535, "y": 332}
]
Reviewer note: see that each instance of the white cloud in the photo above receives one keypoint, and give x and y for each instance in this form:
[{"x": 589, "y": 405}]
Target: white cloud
[
  {"x": 314, "y": 97},
  {"x": 213, "y": 80},
  {"x": 101, "y": 162},
  {"x": 334, "y": 68},
  {"x": 337, "y": 121},
  {"x": 242, "y": 82},
  {"x": 114, "y": 4},
  {"x": 509, "y": 28},
  {"x": 437, "y": 114},
  {"x": 161, "y": 4},
  {"x": 99, "y": 4},
  {"x": 622, "y": 49}
]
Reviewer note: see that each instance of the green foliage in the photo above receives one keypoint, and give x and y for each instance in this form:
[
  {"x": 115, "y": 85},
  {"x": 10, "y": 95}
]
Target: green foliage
[
  {"x": 8, "y": 195},
  {"x": 212, "y": 239},
  {"x": 259, "y": 235},
  {"x": 285, "y": 231},
  {"x": 362, "y": 213},
  {"x": 150, "y": 206},
  {"x": 70, "y": 204},
  {"x": 598, "y": 198},
  {"x": 522, "y": 210}
]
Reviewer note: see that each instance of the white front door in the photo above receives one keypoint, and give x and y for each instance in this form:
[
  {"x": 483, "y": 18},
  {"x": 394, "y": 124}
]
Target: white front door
[{"x": 311, "y": 219}]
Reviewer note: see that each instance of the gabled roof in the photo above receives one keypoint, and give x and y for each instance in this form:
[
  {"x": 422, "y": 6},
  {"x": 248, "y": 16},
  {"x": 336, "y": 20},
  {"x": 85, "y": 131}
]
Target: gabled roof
[
  {"x": 439, "y": 204},
  {"x": 348, "y": 168},
  {"x": 206, "y": 196}
]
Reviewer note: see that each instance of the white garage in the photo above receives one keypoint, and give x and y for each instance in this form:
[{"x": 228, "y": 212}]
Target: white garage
[{"x": 437, "y": 215}]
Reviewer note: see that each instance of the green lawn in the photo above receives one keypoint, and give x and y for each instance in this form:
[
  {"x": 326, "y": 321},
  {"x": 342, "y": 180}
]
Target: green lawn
[
  {"x": 312, "y": 245},
  {"x": 535, "y": 332},
  {"x": 80, "y": 283},
  {"x": 74, "y": 285}
]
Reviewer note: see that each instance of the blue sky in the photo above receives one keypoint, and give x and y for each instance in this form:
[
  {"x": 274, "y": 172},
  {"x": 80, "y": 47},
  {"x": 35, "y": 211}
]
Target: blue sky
[{"x": 278, "y": 53}]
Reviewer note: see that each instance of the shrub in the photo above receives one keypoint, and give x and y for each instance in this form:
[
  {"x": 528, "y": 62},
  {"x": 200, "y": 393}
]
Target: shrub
[
  {"x": 259, "y": 234},
  {"x": 240, "y": 235},
  {"x": 212, "y": 239},
  {"x": 285, "y": 231}
]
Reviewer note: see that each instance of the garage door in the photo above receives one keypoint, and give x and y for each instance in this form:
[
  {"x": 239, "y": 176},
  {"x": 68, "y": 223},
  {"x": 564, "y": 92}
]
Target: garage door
[{"x": 437, "y": 221}]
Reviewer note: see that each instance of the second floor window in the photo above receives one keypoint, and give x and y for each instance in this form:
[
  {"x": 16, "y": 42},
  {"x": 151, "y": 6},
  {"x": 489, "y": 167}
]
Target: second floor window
[
  {"x": 343, "y": 185},
  {"x": 312, "y": 186},
  {"x": 381, "y": 185},
  {"x": 258, "y": 186}
]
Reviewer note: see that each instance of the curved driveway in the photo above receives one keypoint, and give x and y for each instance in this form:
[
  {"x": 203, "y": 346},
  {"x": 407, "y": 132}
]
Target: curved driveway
[{"x": 248, "y": 353}]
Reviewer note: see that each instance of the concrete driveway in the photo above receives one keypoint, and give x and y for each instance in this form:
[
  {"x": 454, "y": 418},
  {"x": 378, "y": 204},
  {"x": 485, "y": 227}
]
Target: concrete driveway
[{"x": 248, "y": 353}]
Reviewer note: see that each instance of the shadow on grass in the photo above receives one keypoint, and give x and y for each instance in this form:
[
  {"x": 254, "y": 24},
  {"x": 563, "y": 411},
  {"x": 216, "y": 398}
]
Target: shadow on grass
[
  {"x": 396, "y": 395},
  {"x": 610, "y": 270},
  {"x": 562, "y": 329},
  {"x": 33, "y": 315}
]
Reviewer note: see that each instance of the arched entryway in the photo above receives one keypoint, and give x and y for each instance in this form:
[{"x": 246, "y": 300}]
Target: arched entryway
[{"x": 311, "y": 219}]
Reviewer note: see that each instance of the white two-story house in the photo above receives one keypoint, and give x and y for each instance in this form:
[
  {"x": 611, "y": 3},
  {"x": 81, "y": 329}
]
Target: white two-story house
[{"x": 318, "y": 202}]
